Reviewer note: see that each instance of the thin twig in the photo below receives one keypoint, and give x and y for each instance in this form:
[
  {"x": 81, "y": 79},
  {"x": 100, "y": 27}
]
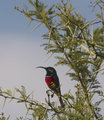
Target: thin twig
[
  {"x": 37, "y": 27},
  {"x": 26, "y": 101},
  {"x": 49, "y": 103}
]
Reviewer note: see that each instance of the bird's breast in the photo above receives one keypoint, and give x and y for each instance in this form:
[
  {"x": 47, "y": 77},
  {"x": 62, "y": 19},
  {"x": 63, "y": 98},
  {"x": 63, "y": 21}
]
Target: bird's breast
[{"x": 49, "y": 80}]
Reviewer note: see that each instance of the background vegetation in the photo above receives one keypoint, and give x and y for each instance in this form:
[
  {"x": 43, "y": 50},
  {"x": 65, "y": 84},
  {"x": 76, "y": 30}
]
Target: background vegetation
[{"x": 76, "y": 43}]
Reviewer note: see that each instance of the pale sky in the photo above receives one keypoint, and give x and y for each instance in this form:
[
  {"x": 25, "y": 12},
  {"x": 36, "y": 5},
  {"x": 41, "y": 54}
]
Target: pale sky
[{"x": 20, "y": 54}]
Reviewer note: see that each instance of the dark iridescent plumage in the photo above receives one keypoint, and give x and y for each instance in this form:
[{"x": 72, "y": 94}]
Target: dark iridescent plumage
[{"x": 52, "y": 81}]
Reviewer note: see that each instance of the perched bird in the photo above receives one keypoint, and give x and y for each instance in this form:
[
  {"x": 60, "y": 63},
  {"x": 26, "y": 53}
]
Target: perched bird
[{"x": 53, "y": 83}]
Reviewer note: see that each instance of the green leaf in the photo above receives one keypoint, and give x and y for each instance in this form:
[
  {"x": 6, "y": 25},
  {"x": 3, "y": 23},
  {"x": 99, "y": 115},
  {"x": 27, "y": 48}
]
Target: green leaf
[
  {"x": 8, "y": 92},
  {"x": 43, "y": 12},
  {"x": 31, "y": 2}
]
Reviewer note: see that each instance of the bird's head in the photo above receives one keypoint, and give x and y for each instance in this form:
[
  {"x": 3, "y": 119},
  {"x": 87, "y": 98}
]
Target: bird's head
[{"x": 49, "y": 70}]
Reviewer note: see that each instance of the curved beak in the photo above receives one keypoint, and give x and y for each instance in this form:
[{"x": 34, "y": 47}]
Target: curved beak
[{"x": 41, "y": 67}]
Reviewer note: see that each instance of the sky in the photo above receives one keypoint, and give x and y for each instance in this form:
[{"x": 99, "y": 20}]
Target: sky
[{"x": 20, "y": 53}]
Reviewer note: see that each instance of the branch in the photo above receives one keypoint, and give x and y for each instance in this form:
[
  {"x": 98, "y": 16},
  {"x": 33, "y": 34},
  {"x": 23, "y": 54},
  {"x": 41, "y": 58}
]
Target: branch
[
  {"x": 83, "y": 86},
  {"x": 26, "y": 101},
  {"x": 49, "y": 103}
]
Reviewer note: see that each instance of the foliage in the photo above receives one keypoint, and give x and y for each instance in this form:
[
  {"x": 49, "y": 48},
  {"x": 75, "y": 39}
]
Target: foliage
[
  {"x": 76, "y": 45},
  {"x": 2, "y": 117}
]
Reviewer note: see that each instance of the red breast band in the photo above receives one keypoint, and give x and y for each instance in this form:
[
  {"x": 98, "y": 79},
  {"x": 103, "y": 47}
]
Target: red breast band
[{"x": 49, "y": 80}]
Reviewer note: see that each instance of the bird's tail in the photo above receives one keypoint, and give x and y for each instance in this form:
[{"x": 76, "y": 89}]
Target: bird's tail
[{"x": 61, "y": 101}]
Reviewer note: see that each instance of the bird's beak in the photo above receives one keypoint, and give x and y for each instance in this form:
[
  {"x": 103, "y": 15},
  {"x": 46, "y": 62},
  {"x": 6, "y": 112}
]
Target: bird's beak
[{"x": 41, "y": 67}]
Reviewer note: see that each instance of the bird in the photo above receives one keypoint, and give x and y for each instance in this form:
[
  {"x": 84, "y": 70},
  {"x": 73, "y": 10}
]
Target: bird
[{"x": 52, "y": 82}]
